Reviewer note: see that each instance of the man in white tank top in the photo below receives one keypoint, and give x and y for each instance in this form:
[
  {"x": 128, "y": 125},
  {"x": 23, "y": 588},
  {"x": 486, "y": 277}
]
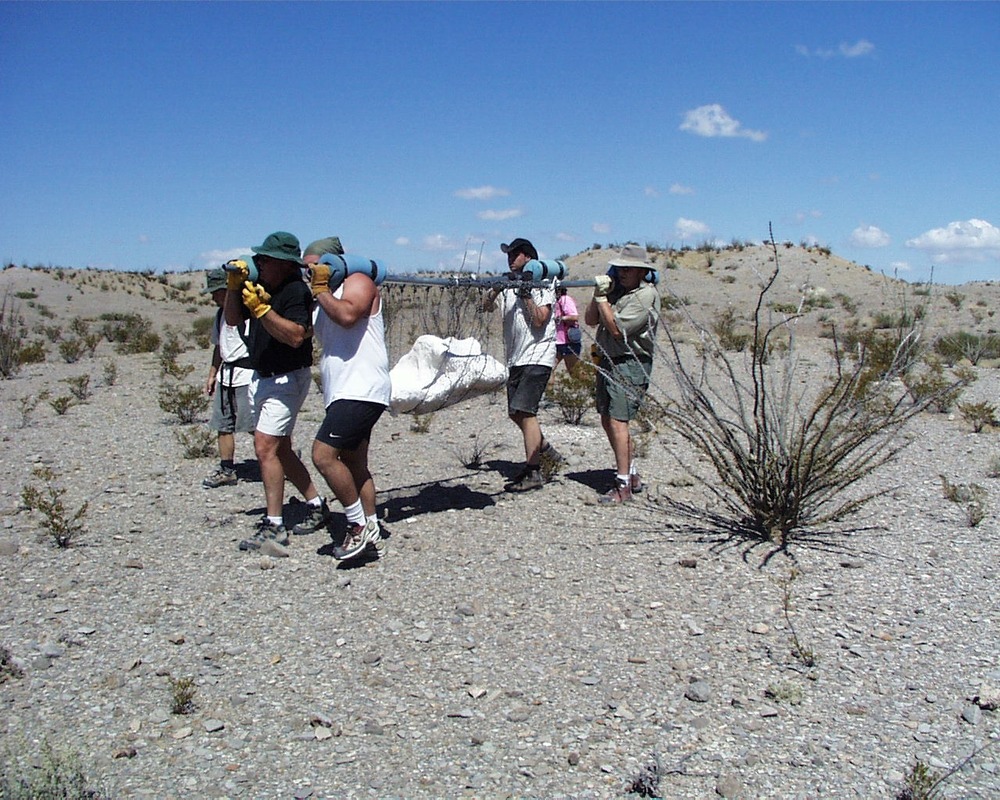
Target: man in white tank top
[{"x": 354, "y": 367}]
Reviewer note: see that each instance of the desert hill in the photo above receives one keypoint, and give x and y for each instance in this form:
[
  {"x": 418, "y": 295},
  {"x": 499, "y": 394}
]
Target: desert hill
[{"x": 826, "y": 288}]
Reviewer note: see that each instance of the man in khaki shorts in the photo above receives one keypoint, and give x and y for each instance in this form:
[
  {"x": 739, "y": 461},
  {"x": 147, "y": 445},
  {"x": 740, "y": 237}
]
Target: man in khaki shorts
[
  {"x": 279, "y": 306},
  {"x": 625, "y": 308}
]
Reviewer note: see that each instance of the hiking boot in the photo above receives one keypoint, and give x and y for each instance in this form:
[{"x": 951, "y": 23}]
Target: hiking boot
[
  {"x": 526, "y": 481},
  {"x": 552, "y": 454},
  {"x": 635, "y": 479},
  {"x": 221, "y": 477},
  {"x": 265, "y": 530},
  {"x": 622, "y": 493},
  {"x": 316, "y": 518},
  {"x": 357, "y": 540}
]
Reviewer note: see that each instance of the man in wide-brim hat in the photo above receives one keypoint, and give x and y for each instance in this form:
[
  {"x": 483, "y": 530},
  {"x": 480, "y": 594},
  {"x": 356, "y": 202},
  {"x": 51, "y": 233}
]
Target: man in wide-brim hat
[{"x": 625, "y": 309}]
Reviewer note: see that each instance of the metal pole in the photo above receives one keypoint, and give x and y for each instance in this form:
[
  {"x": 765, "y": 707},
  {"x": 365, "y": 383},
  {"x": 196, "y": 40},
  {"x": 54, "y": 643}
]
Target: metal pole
[{"x": 498, "y": 281}]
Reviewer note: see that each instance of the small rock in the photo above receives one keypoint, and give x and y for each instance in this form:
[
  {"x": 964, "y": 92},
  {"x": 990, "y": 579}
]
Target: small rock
[
  {"x": 698, "y": 692},
  {"x": 759, "y": 628},
  {"x": 124, "y": 752},
  {"x": 182, "y": 733},
  {"x": 8, "y": 547},
  {"x": 687, "y": 563},
  {"x": 988, "y": 698},
  {"x": 213, "y": 725},
  {"x": 972, "y": 714}
]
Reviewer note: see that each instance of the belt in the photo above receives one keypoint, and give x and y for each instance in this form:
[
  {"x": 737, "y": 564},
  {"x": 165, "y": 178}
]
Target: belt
[{"x": 263, "y": 374}]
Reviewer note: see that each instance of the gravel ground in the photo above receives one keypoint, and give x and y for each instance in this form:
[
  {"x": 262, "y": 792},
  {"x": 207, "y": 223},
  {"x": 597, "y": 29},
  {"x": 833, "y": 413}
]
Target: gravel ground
[{"x": 528, "y": 646}]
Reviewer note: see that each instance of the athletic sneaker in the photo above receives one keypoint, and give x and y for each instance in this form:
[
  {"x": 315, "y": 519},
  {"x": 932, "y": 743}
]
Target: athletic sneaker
[
  {"x": 265, "y": 530},
  {"x": 622, "y": 493},
  {"x": 529, "y": 479},
  {"x": 316, "y": 517},
  {"x": 221, "y": 477},
  {"x": 357, "y": 540},
  {"x": 636, "y": 482}
]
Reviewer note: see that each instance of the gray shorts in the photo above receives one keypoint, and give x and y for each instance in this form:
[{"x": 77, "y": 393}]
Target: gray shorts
[
  {"x": 231, "y": 412},
  {"x": 621, "y": 388},
  {"x": 525, "y": 387}
]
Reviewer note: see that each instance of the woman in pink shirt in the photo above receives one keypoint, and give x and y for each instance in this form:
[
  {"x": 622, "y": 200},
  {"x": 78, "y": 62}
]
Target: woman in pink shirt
[{"x": 568, "y": 339}]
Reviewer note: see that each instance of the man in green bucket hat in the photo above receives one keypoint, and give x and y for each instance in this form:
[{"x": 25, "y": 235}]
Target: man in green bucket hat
[{"x": 279, "y": 307}]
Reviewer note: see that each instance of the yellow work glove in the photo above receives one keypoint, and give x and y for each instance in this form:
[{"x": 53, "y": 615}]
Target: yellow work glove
[
  {"x": 319, "y": 278},
  {"x": 237, "y": 272},
  {"x": 255, "y": 297},
  {"x": 602, "y": 285}
]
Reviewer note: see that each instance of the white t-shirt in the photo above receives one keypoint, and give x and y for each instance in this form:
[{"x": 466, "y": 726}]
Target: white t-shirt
[
  {"x": 355, "y": 363},
  {"x": 231, "y": 348},
  {"x": 524, "y": 344}
]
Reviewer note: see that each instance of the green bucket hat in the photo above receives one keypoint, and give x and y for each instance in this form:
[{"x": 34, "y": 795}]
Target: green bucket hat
[
  {"x": 215, "y": 279},
  {"x": 281, "y": 245},
  {"x": 331, "y": 244}
]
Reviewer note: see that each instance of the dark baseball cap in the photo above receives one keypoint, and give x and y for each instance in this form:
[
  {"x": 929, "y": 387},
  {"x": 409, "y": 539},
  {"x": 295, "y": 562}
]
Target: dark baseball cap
[{"x": 520, "y": 246}]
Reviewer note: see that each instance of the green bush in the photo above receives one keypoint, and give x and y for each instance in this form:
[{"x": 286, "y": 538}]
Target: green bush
[
  {"x": 573, "y": 393},
  {"x": 955, "y": 347},
  {"x": 11, "y": 336},
  {"x": 61, "y": 525},
  {"x": 184, "y": 401},
  {"x": 130, "y": 333},
  {"x": 32, "y": 353}
]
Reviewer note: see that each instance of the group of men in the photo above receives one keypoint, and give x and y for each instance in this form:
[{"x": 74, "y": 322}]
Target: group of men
[
  {"x": 625, "y": 310},
  {"x": 262, "y": 358},
  {"x": 266, "y": 326}
]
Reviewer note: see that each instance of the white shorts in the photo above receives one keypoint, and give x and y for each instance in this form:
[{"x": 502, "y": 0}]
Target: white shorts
[{"x": 276, "y": 401}]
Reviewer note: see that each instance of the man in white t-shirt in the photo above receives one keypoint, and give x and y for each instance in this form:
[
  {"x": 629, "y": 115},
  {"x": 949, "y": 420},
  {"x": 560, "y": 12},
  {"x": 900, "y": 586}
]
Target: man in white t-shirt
[
  {"x": 529, "y": 337},
  {"x": 354, "y": 368},
  {"x": 228, "y": 384}
]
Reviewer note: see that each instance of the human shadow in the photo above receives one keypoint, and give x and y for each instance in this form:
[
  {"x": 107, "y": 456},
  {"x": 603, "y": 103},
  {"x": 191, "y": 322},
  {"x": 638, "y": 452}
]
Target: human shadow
[
  {"x": 404, "y": 502},
  {"x": 248, "y": 471},
  {"x": 597, "y": 479}
]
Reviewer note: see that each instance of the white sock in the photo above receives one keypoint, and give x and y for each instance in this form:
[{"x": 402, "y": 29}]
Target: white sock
[
  {"x": 622, "y": 478},
  {"x": 316, "y": 502},
  {"x": 631, "y": 469},
  {"x": 276, "y": 520},
  {"x": 355, "y": 513}
]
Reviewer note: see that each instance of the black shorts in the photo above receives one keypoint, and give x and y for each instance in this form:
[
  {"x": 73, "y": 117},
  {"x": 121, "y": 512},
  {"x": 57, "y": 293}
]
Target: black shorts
[
  {"x": 348, "y": 423},
  {"x": 525, "y": 387}
]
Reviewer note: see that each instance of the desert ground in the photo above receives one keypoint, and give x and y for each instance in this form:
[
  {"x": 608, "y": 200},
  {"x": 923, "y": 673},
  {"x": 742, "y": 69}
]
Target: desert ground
[{"x": 535, "y": 645}]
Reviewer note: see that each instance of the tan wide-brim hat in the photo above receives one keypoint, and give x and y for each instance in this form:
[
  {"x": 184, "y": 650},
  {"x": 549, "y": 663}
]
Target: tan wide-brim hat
[{"x": 631, "y": 255}]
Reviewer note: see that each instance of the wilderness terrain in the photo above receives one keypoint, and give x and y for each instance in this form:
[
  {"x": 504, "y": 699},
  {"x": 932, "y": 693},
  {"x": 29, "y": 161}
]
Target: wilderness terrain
[{"x": 537, "y": 645}]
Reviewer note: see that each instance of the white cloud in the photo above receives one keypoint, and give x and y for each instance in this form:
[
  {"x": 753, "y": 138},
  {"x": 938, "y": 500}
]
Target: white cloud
[
  {"x": 505, "y": 213},
  {"x": 438, "y": 241},
  {"x": 600, "y": 227},
  {"x": 802, "y": 216},
  {"x": 565, "y": 237},
  {"x": 688, "y": 229},
  {"x": 713, "y": 120},
  {"x": 481, "y": 193},
  {"x": 651, "y": 191},
  {"x": 143, "y": 238},
  {"x": 402, "y": 241},
  {"x": 972, "y": 240},
  {"x": 862, "y": 47},
  {"x": 211, "y": 259},
  {"x": 858, "y": 49},
  {"x": 900, "y": 266},
  {"x": 869, "y": 236},
  {"x": 680, "y": 188}
]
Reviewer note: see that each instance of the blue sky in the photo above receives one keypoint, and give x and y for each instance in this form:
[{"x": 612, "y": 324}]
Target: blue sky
[{"x": 170, "y": 136}]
